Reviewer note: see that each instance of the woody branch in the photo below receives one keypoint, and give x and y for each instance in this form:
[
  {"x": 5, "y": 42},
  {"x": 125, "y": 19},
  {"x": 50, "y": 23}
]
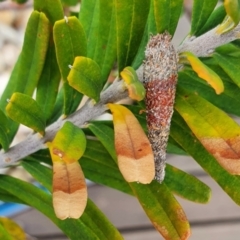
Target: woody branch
[{"x": 201, "y": 46}]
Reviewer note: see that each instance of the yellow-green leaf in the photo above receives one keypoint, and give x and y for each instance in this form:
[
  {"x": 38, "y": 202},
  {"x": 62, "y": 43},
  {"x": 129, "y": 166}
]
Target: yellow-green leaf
[
  {"x": 25, "y": 110},
  {"x": 217, "y": 132},
  {"x": 85, "y": 77},
  {"x": 134, "y": 152},
  {"x": 14, "y": 230},
  {"x": 232, "y": 8},
  {"x": 69, "y": 144},
  {"x": 135, "y": 88},
  {"x": 205, "y": 72}
]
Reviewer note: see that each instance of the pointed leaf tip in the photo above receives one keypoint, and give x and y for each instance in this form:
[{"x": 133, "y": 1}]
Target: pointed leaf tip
[
  {"x": 134, "y": 152},
  {"x": 205, "y": 72}
]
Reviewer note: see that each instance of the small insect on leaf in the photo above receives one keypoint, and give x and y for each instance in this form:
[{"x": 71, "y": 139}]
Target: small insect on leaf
[
  {"x": 135, "y": 156},
  {"x": 204, "y": 72},
  {"x": 69, "y": 186},
  {"x": 135, "y": 88}
]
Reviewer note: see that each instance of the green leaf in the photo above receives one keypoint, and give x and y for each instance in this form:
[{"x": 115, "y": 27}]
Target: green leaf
[
  {"x": 85, "y": 77},
  {"x": 186, "y": 185},
  {"x": 28, "y": 68},
  {"x": 40, "y": 172},
  {"x": 53, "y": 12},
  {"x": 202, "y": 9},
  {"x": 25, "y": 110},
  {"x": 135, "y": 88},
  {"x": 14, "y": 230},
  {"x": 69, "y": 144},
  {"x": 99, "y": 22},
  {"x": 4, "y": 141},
  {"x": 42, "y": 201},
  {"x": 232, "y": 8},
  {"x": 4, "y": 234},
  {"x": 99, "y": 224},
  {"x": 227, "y": 101},
  {"x": 92, "y": 216},
  {"x": 218, "y": 133},
  {"x": 70, "y": 41},
  {"x": 167, "y": 14},
  {"x": 182, "y": 134},
  {"x": 106, "y": 136},
  {"x": 215, "y": 18},
  {"x": 162, "y": 208},
  {"x": 48, "y": 84},
  {"x": 230, "y": 66},
  {"x": 131, "y": 18},
  {"x": 58, "y": 107}
]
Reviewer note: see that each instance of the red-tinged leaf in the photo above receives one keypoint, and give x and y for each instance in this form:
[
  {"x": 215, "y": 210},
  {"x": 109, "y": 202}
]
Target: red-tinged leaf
[
  {"x": 69, "y": 186},
  {"x": 163, "y": 210},
  {"x": 205, "y": 72},
  {"x": 69, "y": 190},
  {"x": 218, "y": 133},
  {"x": 135, "y": 156}
]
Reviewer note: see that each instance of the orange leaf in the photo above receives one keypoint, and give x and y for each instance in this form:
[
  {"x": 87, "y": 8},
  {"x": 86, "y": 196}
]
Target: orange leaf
[
  {"x": 135, "y": 156},
  {"x": 69, "y": 190}
]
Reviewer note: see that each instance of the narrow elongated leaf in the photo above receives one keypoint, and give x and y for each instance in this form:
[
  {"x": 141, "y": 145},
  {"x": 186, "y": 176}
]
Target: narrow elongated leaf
[
  {"x": 181, "y": 133},
  {"x": 186, "y": 185},
  {"x": 228, "y": 64},
  {"x": 85, "y": 77},
  {"x": 135, "y": 156},
  {"x": 25, "y": 110},
  {"x": 53, "y": 12},
  {"x": 166, "y": 14},
  {"x": 4, "y": 141},
  {"x": 106, "y": 136},
  {"x": 69, "y": 186},
  {"x": 70, "y": 41},
  {"x": 232, "y": 8},
  {"x": 227, "y": 101},
  {"x": 4, "y": 234},
  {"x": 14, "y": 230},
  {"x": 40, "y": 172},
  {"x": 162, "y": 208},
  {"x": 48, "y": 84},
  {"x": 202, "y": 9},
  {"x": 135, "y": 88},
  {"x": 99, "y": 22},
  {"x": 131, "y": 17},
  {"x": 42, "y": 201},
  {"x": 215, "y": 18},
  {"x": 92, "y": 217},
  {"x": 28, "y": 68},
  {"x": 205, "y": 72},
  {"x": 218, "y": 133}
]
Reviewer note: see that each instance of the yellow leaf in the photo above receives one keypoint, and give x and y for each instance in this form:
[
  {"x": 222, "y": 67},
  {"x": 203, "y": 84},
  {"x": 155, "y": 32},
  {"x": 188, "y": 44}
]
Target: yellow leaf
[
  {"x": 135, "y": 156},
  {"x": 13, "y": 228},
  {"x": 205, "y": 72}
]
